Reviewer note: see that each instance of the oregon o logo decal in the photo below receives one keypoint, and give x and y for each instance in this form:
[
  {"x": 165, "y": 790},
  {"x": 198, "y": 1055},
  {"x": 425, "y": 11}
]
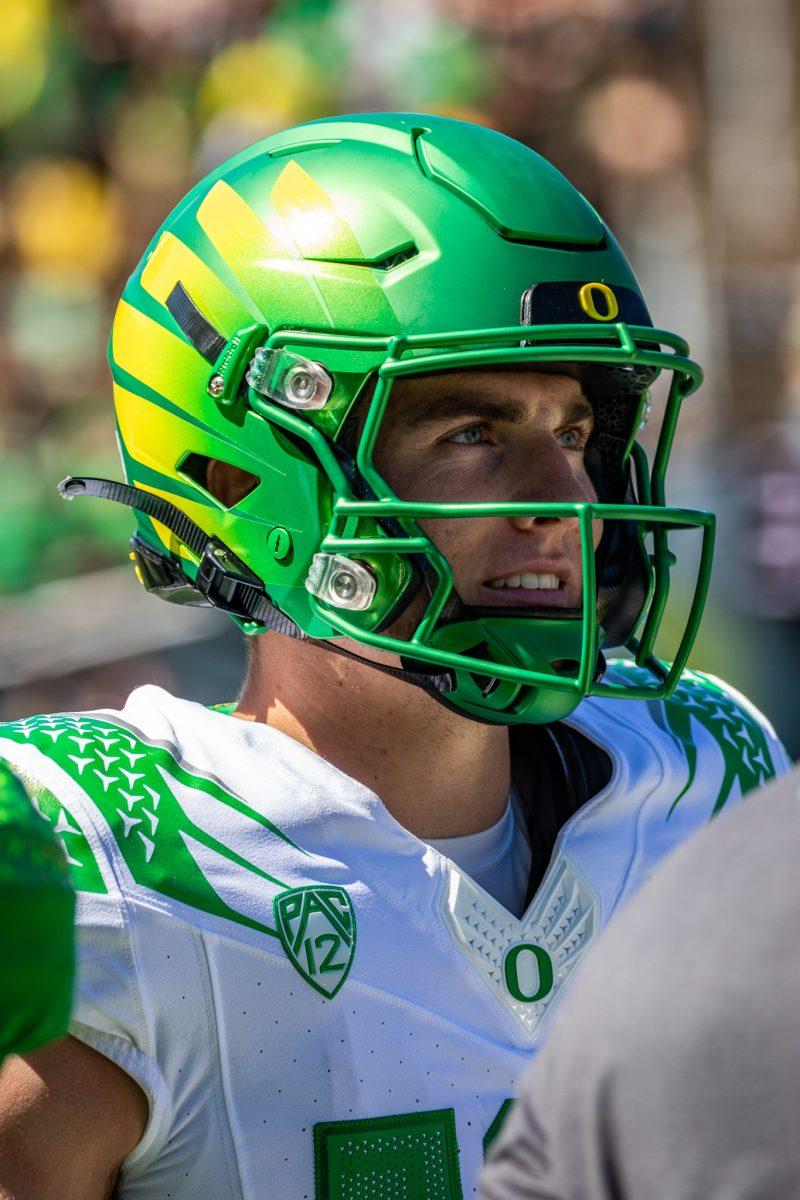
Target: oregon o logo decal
[
  {"x": 589, "y": 295},
  {"x": 530, "y": 979}
]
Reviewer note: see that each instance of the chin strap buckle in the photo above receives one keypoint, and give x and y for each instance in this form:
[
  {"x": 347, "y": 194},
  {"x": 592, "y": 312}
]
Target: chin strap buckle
[{"x": 226, "y": 583}]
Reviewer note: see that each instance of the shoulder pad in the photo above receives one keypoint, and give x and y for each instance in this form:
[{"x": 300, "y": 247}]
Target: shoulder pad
[{"x": 752, "y": 751}]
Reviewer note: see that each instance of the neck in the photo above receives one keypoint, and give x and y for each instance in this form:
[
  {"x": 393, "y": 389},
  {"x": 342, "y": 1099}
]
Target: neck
[{"x": 438, "y": 773}]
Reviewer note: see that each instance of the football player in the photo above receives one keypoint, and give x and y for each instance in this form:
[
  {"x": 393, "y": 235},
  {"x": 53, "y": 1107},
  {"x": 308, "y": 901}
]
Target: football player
[{"x": 378, "y": 385}]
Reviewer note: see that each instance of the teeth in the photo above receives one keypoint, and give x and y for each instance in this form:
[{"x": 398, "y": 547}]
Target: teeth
[
  {"x": 539, "y": 581},
  {"x": 529, "y": 581}
]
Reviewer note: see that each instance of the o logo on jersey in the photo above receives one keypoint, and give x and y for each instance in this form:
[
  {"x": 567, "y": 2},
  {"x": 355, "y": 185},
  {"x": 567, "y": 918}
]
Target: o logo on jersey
[
  {"x": 530, "y": 979},
  {"x": 588, "y": 302}
]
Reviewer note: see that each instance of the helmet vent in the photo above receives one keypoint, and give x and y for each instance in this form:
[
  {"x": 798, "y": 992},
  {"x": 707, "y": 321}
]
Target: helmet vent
[
  {"x": 396, "y": 258},
  {"x": 388, "y": 262},
  {"x": 546, "y": 244},
  {"x": 195, "y": 467}
]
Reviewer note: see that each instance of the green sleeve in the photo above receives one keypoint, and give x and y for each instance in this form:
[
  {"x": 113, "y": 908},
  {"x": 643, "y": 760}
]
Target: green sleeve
[{"x": 36, "y": 924}]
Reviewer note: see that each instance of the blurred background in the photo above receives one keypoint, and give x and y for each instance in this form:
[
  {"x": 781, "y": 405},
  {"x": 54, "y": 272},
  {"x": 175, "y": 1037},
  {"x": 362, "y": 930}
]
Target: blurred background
[{"x": 679, "y": 119}]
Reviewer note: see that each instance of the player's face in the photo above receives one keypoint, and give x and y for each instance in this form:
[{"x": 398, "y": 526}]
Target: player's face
[{"x": 495, "y": 435}]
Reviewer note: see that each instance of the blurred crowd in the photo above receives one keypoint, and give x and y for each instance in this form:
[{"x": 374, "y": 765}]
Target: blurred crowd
[{"x": 110, "y": 109}]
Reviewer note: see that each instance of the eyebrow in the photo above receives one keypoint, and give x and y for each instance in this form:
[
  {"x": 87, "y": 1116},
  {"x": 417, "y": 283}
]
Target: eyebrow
[{"x": 435, "y": 409}]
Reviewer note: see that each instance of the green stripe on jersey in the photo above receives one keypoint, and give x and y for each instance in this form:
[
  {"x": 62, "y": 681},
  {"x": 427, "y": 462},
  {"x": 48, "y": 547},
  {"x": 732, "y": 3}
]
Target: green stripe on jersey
[
  {"x": 127, "y": 779},
  {"x": 741, "y": 738}
]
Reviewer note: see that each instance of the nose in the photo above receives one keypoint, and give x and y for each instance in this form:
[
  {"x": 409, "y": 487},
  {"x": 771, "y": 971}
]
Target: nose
[{"x": 548, "y": 474}]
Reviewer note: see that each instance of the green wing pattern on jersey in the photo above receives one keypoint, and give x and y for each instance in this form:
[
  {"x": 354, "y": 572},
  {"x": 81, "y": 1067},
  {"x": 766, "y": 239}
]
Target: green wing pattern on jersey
[
  {"x": 127, "y": 779},
  {"x": 741, "y": 738}
]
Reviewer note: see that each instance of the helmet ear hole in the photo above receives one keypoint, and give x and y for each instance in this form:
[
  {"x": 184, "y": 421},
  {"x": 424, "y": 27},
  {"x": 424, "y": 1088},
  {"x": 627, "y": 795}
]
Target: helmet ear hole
[{"x": 225, "y": 482}]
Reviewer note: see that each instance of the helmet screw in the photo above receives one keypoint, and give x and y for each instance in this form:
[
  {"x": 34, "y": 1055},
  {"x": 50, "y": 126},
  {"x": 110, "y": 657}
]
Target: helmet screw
[
  {"x": 344, "y": 585},
  {"x": 216, "y": 386},
  {"x": 300, "y": 385}
]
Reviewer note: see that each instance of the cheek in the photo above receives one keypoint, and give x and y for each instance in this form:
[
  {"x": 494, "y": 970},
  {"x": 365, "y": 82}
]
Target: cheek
[
  {"x": 585, "y": 482},
  {"x": 466, "y": 544},
  {"x": 458, "y": 543},
  {"x": 591, "y": 494},
  {"x": 417, "y": 471},
  {"x": 414, "y": 479},
  {"x": 456, "y": 539},
  {"x": 430, "y": 482}
]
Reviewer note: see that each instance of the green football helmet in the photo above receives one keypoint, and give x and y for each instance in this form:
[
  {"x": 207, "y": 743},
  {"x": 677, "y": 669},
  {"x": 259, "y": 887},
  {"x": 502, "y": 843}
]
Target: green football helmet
[{"x": 310, "y": 272}]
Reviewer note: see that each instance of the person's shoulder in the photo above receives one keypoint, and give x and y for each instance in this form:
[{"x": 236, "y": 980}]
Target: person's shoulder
[
  {"x": 694, "y": 689},
  {"x": 82, "y": 772},
  {"x": 711, "y": 742},
  {"x": 161, "y": 805},
  {"x": 108, "y": 782},
  {"x": 704, "y": 709}
]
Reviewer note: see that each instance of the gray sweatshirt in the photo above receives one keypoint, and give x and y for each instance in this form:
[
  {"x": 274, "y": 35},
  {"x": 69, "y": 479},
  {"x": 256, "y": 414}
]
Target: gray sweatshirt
[{"x": 672, "y": 1070}]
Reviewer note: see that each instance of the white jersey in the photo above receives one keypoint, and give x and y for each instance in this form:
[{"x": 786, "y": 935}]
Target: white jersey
[{"x": 317, "y": 1004}]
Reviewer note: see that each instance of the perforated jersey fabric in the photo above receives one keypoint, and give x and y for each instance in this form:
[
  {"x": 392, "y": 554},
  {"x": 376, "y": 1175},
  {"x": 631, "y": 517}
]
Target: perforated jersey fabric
[{"x": 316, "y": 1003}]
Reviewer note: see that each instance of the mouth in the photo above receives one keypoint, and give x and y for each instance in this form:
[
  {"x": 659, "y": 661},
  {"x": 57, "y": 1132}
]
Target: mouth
[{"x": 530, "y": 589}]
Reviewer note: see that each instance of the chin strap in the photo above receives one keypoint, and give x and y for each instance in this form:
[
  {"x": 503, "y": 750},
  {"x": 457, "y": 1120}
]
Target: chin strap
[
  {"x": 161, "y": 510},
  {"x": 435, "y": 683},
  {"x": 223, "y": 581}
]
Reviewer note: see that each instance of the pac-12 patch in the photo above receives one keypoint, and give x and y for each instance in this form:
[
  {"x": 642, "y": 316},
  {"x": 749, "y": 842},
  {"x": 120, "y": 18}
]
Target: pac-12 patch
[{"x": 317, "y": 927}]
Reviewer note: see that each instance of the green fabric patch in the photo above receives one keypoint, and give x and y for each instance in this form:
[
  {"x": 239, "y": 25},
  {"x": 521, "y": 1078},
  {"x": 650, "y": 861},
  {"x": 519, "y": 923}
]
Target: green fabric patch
[{"x": 413, "y": 1156}]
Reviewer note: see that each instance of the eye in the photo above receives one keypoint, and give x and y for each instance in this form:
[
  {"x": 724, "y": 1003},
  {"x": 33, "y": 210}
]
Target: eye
[
  {"x": 574, "y": 438},
  {"x": 473, "y": 435}
]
